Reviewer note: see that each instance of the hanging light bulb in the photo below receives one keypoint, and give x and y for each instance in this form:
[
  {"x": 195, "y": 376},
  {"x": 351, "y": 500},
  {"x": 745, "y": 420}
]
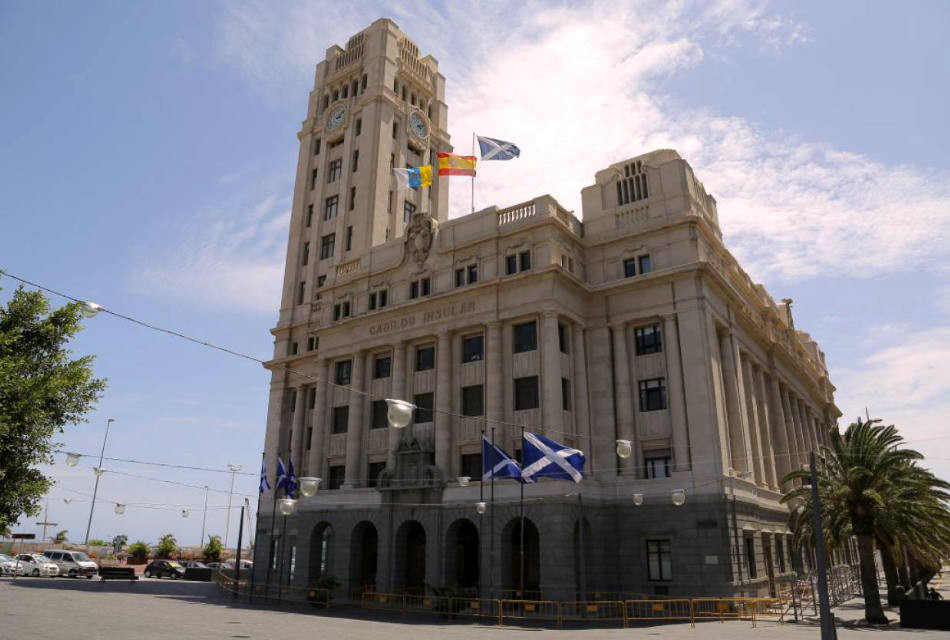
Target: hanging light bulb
[
  {"x": 72, "y": 459},
  {"x": 638, "y": 499},
  {"x": 67, "y": 500},
  {"x": 624, "y": 448},
  {"x": 480, "y": 508},
  {"x": 679, "y": 497},
  {"x": 399, "y": 413},
  {"x": 89, "y": 309},
  {"x": 184, "y": 513},
  {"x": 98, "y": 471},
  {"x": 464, "y": 480},
  {"x": 309, "y": 486},
  {"x": 119, "y": 508},
  {"x": 286, "y": 506}
]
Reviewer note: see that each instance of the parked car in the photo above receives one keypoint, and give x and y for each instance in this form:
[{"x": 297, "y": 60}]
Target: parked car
[
  {"x": 72, "y": 563},
  {"x": 37, "y": 565},
  {"x": 193, "y": 564},
  {"x": 8, "y": 566},
  {"x": 162, "y": 568},
  {"x": 220, "y": 565}
]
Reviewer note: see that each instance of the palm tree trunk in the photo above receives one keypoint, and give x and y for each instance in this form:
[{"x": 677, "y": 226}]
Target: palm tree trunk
[
  {"x": 894, "y": 594},
  {"x": 873, "y": 612}
]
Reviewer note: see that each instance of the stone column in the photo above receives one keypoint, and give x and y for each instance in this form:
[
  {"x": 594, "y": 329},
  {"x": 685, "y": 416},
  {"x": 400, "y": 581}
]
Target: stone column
[
  {"x": 399, "y": 393},
  {"x": 494, "y": 377},
  {"x": 354, "y": 431},
  {"x": 676, "y": 395},
  {"x": 626, "y": 428},
  {"x": 319, "y": 419},
  {"x": 740, "y": 449},
  {"x": 755, "y": 431},
  {"x": 784, "y": 454},
  {"x": 604, "y": 461},
  {"x": 443, "y": 403},
  {"x": 579, "y": 389},
  {"x": 766, "y": 429},
  {"x": 794, "y": 434},
  {"x": 551, "y": 406},
  {"x": 297, "y": 433}
]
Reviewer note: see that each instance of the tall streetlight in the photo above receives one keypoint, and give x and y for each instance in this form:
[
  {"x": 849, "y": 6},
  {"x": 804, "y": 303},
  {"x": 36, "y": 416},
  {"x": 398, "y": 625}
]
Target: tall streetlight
[
  {"x": 204, "y": 517},
  {"x": 98, "y": 470},
  {"x": 234, "y": 468}
]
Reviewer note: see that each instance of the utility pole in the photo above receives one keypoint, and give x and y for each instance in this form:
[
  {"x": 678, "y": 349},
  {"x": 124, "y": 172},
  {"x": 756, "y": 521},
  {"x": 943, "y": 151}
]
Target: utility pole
[
  {"x": 204, "y": 518},
  {"x": 95, "y": 490},
  {"x": 827, "y": 621},
  {"x": 46, "y": 522},
  {"x": 234, "y": 468}
]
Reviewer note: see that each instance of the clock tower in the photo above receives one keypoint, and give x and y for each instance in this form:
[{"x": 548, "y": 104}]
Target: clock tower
[{"x": 375, "y": 105}]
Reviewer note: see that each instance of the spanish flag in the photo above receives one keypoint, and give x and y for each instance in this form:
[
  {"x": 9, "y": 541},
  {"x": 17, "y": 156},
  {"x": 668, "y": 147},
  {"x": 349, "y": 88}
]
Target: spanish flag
[{"x": 453, "y": 165}]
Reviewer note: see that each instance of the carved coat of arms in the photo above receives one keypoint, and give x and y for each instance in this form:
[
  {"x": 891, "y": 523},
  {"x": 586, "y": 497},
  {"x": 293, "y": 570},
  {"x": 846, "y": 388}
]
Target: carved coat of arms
[{"x": 419, "y": 237}]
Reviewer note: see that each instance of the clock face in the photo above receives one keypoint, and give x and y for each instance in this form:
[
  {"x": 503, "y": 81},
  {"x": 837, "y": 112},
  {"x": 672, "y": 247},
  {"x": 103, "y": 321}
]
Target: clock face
[
  {"x": 336, "y": 118},
  {"x": 418, "y": 126}
]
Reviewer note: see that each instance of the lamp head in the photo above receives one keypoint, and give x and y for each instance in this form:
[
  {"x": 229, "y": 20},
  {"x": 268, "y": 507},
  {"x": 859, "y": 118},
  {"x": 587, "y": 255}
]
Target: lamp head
[
  {"x": 399, "y": 413},
  {"x": 480, "y": 508},
  {"x": 119, "y": 508},
  {"x": 678, "y": 497},
  {"x": 309, "y": 486},
  {"x": 638, "y": 499},
  {"x": 286, "y": 506},
  {"x": 624, "y": 448}
]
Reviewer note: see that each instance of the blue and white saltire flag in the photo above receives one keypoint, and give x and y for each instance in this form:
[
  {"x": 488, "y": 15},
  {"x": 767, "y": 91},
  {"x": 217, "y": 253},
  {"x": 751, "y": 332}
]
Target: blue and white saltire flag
[
  {"x": 281, "y": 477},
  {"x": 493, "y": 149},
  {"x": 498, "y": 464},
  {"x": 291, "y": 487},
  {"x": 545, "y": 458},
  {"x": 265, "y": 485}
]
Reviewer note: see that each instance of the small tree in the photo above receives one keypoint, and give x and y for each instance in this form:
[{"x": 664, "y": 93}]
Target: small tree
[
  {"x": 118, "y": 542},
  {"x": 212, "y": 550},
  {"x": 166, "y": 546},
  {"x": 138, "y": 551},
  {"x": 97, "y": 542},
  {"x": 61, "y": 536}
]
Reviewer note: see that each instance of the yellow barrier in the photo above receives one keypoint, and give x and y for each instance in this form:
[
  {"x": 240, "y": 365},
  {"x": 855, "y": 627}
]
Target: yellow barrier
[
  {"x": 725, "y": 608},
  {"x": 591, "y": 610},
  {"x": 673, "y": 609},
  {"x": 528, "y": 610}
]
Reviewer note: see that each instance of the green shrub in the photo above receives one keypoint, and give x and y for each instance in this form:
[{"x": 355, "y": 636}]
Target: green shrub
[
  {"x": 212, "y": 550},
  {"x": 167, "y": 545},
  {"x": 138, "y": 550}
]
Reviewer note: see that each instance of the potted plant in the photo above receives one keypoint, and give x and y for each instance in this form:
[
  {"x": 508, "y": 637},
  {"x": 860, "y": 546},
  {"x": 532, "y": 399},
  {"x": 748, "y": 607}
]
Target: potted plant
[
  {"x": 138, "y": 552},
  {"x": 321, "y": 591}
]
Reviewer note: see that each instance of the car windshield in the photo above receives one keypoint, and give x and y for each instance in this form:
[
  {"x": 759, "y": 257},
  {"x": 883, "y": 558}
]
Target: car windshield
[
  {"x": 79, "y": 556},
  {"x": 5, "y": 558},
  {"x": 174, "y": 564}
]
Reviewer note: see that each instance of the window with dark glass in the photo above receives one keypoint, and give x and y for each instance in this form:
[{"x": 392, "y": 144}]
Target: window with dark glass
[
  {"x": 326, "y": 246},
  {"x": 525, "y": 336},
  {"x": 382, "y": 366},
  {"x": 352, "y": 203},
  {"x": 334, "y": 170},
  {"x": 349, "y": 237},
  {"x": 407, "y": 210},
  {"x": 425, "y": 358},
  {"x": 653, "y": 394},
  {"x": 656, "y": 465},
  {"x": 565, "y": 394},
  {"x": 356, "y": 158},
  {"x": 470, "y": 465},
  {"x": 511, "y": 264},
  {"x": 321, "y": 280},
  {"x": 414, "y": 289},
  {"x": 379, "y": 419},
  {"x": 311, "y": 343},
  {"x": 644, "y": 264},
  {"x": 330, "y": 207},
  {"x": 306, "y": 254},
  {"x": 301, "y": 292},
  {"x": 346, "y": 309},
  {"x": 309, "y": 215},
  {"x": 316, "y": 147},
  {"x": 780, "y": 552},
  {"x": 750, "y": 556},
  {"x": 562, "y": 337},
  {"x": 344, "y": 369},
  {"x": 423, "y": 412},
  {"x": 526, "y": 393},
  {"x": 336, "y": 312},
  {"x": 473, "y": 403},
  {"x": 336, "y": 476},
  {"x": 372, "y": 301},
  {"x": 524, "y": 260},
  {"x": 659, "y": 562},
  {"x": 313, "y": 179},
  {"x": 373, "y": 471},
  {"x": 358, "y": 128},
  {"x": 473, "y": 348},
  {"x": 383, "y": 298},
  {"x": 293, "y": 348},
  {"x": 472, "y": 272},
  {"x": 341, "y": 419},
  {"x": 648, "y": 339},
  {"x": 460, "y": 277},
  {"x": 629, "y": 267}
]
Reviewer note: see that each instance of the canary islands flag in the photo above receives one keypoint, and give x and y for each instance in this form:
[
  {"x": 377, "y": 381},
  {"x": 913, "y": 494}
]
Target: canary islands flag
[
  {"x": 414, "y": 177},
  {"x": 453, "y": 165}
]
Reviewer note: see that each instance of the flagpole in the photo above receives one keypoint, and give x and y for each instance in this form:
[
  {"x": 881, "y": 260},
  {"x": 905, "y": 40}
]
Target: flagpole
[
  {"x": 473, "y": 175},
  {"x": 257, "y": 526},
  {"x": 481, "y": 517},
  {"x": 521, "y": 545},
  {"x": 273, "y": 523},
  {"x": 491, "y": 553}
]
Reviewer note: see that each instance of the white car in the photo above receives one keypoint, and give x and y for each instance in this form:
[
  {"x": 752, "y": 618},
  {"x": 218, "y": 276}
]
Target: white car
[
  {"x": 8, "y": 566},
  {"x": 35, "y": 564}
]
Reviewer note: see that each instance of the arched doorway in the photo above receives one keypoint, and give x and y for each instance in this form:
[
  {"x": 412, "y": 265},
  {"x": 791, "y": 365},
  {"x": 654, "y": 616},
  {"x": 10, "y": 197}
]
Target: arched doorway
[
  {"x": 321, "y": 542},
  {"x": 411, "y": 556},
  {"x": 511, "y": 541},
  {"x": 583, "y": 555},
  {"x": 363, "y": 555},
  {"x": 462, "y": 554}
]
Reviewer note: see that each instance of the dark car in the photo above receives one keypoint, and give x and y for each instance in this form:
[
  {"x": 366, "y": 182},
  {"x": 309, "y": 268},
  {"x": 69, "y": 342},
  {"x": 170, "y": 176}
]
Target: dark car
[
  {"x": 193, "y": 564},
  {"x": 163, "y": 568}
]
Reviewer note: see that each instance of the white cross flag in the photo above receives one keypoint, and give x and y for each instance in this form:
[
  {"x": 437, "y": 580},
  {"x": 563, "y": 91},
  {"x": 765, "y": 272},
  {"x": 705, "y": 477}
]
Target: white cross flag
[{"x": 546, "y": 458}]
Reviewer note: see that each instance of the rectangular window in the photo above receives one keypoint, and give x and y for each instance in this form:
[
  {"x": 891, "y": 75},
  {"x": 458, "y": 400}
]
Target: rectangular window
[
  {"x": 511, "y": 264},
  {"x": 344, "y": 369},
  {"x": 293, "y": 348},
  {"x": 382, "y": 366},
  {"x": 326, "y": 246},
  {"x": 473, "y": 348},
  {"x": 525, "y": 336},
  {"x": 423, "y": 412},
  {"x": 472, "y": 272},
  {"x": 389, "y": 207},
  {"x": 659, "y": 562},
  {"x": 629, "y": 267},
  {"x": 524, "y": 260},
  {"x": 460, "y": 277},
  {"x": 395, "y": 129},
  {"x": 330, "y": 207},
  {"x": 334, "y": 170},
  {"x": 407, "y": 210},
  {"x": 373, "y": 471},
  {"x": 414, "y": 289},
  {"x": 565, "y": 394},
  {"x": 372, "y": 301},
  {"x": 653, "y": 394},
  {"x": 336, "y": 312},
  {"x": 750, "y": 556},
  {"x": 341, "y": 419},
  {"x": 337, "y": 475},
  {"x": 321, "y": 280},
  {"x": 562, "y": 337},
  {"x": 656, "y": 465},
  {"x": 358, "y": 128},
  {"x": 526, "y": 393},
  {"x": 301, "y": 292},
  {"x": 349, "y": 237},
  {"x": 352, "y": 203},
  {"x": 309, "y": 215},
  {"x": 346, "y": 309},
  {"x": 780, "y": 552},
  {"x": 379, "y": 419},
  {"x": 473, "y": 403},
  {"x": 356, "y": 159},
  {"x": 648, "y": 339},
  {"x": 306, "y": 254},
  {"x": 425, "y": 358},
  {"x": 313, "y": 179},
  {"x": 425, "y": 285},
  {"x": 644, "y": 264},
  {"x": 311, "y": 343},
  {"x": 316, "y": 147},
  {"x": 470, "y": 464},
  {"x": 383, "y": 298}
]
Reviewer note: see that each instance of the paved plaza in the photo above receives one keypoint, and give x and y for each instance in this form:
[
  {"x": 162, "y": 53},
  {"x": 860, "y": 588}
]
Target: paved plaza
[{"x": 62, "y": 609}]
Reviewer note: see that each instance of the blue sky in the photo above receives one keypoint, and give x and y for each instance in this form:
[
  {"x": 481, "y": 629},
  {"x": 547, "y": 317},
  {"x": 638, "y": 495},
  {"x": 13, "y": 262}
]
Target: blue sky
[{"x": 148, "y": 153}]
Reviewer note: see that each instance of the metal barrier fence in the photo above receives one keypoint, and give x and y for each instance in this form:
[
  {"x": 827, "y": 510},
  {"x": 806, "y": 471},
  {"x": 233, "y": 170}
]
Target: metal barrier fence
[{"x": 678, "y": 609}]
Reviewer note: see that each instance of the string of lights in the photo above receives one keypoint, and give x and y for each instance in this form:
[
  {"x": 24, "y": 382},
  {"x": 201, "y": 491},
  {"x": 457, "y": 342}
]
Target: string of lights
[{"x": 157, "y": 464}]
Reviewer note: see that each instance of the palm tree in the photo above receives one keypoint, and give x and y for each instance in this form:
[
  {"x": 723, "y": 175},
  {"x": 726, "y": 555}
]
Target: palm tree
[{"x": 873, "y": 490}]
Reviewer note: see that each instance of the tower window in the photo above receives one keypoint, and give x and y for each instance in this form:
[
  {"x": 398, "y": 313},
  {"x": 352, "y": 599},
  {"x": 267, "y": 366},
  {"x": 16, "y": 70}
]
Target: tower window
[
  {"x": 389, "y": 205},
  {"x": 363, "y": 83},
  {"x": 562, "y": 337},
  {"x": 336, "y": 168},
  {"x": 305, "y": 258},
  {"x": 633, "y": 186},
  {"x": 511, "y": 264},
  {"x": 301, "y": 292},
  {"x": 330, "y": 207},
  {"x": 309, "y": 215},
  {"x": 524, "y": 259},
  {"x": 648, "y": 340},
  {"x": 356, "y": 158},
  {"x": 395, "y": 129},
  {"x": 644, "y": 264},
  {"x": 345, "y": 92},
  {"x": 525, "y": 336},
  {"x": 565, "y": 394},
  {"x": 313, "y": 179},
  {"x": 349, "y": 237},
  {"x": 407, "y": 210},
  {"x": 352, "y": 203},
  {"x": 316, "y": 147},
  {"x": 326, "y": 246}
]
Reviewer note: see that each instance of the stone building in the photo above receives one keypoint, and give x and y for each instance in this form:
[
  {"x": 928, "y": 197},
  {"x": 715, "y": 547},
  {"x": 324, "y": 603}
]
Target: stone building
[{"x": 634, "y": 323}]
